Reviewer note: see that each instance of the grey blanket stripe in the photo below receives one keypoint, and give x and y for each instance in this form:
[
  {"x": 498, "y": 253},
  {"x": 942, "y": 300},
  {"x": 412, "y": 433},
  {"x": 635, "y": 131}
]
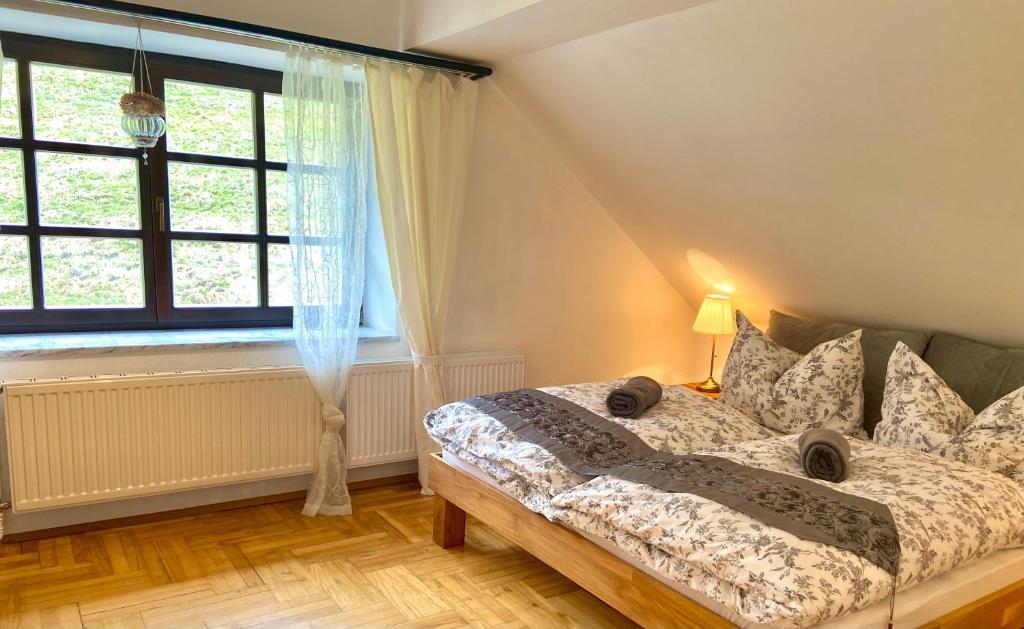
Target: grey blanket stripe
[
  {"x": 524, "y": 429},
  {"x": 591, "y": 445}
]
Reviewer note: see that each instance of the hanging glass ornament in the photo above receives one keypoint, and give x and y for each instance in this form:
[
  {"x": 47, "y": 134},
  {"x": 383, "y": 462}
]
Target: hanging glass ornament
[{"x": 142, "y": 113}]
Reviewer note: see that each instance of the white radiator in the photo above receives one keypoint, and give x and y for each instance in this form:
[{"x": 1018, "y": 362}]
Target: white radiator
[
  {"x": 75, "y": 441},
  {"x": 378, "y": 408},
  {"x": 466, "y": 375},
  {"x": 380, "y": 403}
]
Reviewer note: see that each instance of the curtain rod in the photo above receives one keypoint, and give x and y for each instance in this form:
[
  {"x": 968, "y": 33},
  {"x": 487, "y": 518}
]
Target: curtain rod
[{"x": 273, "y": 34}]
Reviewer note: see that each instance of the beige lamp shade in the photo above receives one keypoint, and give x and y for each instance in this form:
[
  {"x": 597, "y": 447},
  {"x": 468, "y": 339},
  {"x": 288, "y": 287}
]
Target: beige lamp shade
[{"x": 715, "y": 316}]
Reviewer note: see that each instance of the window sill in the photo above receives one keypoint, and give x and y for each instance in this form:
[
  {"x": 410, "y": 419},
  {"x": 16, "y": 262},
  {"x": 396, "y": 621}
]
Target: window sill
[{"x": 85, "y": 343}]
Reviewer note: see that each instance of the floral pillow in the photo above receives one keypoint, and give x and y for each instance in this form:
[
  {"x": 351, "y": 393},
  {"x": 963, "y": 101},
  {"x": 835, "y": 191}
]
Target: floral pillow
[
  {"x": 919, "y": 411},
  {"x": 791, "y": 393}
]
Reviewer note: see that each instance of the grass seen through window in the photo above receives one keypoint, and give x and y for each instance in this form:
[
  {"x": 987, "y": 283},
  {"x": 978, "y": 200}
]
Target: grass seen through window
[{"x": 202, "y": 228}]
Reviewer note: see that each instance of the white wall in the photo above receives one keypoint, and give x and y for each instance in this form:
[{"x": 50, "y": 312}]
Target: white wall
[
  {"x": 857, "y": 161},
  {"x": 543, "y": 269}
]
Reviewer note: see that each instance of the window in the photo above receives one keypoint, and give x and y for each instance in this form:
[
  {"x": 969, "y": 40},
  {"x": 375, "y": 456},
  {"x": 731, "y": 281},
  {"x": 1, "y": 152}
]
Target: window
[{"x": 92, "y": 238}]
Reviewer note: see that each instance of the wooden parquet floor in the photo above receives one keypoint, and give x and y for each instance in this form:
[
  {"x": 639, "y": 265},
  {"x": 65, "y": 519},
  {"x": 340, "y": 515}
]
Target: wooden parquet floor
[{"x": 268, "y": 566}]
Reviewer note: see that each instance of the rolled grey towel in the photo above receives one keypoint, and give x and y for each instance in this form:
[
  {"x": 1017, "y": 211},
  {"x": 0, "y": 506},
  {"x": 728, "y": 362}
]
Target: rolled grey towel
[
  {"x": 634, "y": 397},
  {"x": 825, "y": 454}
]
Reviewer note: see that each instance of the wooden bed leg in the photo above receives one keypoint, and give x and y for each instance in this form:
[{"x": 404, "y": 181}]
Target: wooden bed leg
[{"x": 449, "y": 524}]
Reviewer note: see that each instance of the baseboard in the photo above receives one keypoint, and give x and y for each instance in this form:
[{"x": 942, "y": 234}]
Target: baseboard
[
  {"x": 144, "y": 518},
  {"x": 42, "y": 523}
]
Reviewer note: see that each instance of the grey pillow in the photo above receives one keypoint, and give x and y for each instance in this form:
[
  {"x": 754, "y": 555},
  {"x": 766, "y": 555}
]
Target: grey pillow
[
  {"x": 802, "y": 336},
  {"x": 979, "y": 373}
]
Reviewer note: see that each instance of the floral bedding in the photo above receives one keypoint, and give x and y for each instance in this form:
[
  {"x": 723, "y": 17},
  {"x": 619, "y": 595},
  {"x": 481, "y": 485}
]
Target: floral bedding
[
  {"x": 790, "y": 392},
  {"x": 946, "y": 512},
  {"x": 682, "y": 422},
  {"x": 921, "y": 412}
]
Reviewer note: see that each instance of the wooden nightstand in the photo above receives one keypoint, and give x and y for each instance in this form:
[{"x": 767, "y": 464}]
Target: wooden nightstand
[{"x": 693, "y": 386}]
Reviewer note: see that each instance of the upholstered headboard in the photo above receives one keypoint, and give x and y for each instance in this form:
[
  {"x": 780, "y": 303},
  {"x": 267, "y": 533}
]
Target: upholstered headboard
[{"x": 979, "y": 373}]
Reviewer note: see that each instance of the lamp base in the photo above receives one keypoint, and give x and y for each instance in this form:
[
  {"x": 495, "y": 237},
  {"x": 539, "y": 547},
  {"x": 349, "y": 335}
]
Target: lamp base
[{"x": 709, "y": 386}]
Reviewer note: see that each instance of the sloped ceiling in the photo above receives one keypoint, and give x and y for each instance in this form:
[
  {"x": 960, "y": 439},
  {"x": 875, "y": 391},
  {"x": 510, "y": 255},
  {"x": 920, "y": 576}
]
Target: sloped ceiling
[
  {"x": 861, "y": 161},
  {"x": 494, "y": 30}
]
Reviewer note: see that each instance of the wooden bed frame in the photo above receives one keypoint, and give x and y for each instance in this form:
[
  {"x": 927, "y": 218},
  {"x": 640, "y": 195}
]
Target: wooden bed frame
[{"x": 638, "y": 596}]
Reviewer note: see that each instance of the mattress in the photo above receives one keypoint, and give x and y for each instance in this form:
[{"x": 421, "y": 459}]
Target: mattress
[{"x": 915, "y": 606}]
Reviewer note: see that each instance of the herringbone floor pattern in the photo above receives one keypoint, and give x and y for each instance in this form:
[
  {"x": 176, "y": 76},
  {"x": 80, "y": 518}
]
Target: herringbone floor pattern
[{"x": 268, "y": 566}]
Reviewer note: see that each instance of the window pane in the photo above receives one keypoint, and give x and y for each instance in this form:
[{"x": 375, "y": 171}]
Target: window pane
[
  {"x": 273, "y": 124},
  {"x": 277, "y": 202},
  {"x": 279, "y": 275},
  {"x": 12, "y": 187},
  {"x": 214, "y": 274},
  {"x": 78, "y": 105},
  {"x": 92, "y": 272},
  {"x": 15, "y": 276},
  {"x": 212, "y": 198},
  {"x": 10, "y": 124},
  {"x": 209, "y": 120},
  {"x": 88, "y": 190}
]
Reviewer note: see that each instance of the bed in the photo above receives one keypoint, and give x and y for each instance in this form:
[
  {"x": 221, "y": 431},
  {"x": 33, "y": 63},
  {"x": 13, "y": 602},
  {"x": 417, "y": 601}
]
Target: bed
[
  {"x": 525, "y": 494},
  {"x": 988, "y": 593}
]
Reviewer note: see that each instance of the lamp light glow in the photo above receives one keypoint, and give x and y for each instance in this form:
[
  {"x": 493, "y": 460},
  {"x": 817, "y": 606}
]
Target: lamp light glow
[{"x": 711, "y": 270}]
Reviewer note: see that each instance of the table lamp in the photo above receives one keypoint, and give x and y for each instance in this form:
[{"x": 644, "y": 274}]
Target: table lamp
[{"x": 715, "y": 317}]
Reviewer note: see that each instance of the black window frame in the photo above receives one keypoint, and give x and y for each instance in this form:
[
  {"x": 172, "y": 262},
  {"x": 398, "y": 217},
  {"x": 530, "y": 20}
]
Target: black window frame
[{"x": 155, "y": 231}]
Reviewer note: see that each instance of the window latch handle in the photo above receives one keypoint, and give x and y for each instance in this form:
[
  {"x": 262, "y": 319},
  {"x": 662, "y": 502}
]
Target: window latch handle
[{"x": 161, "y": 213}]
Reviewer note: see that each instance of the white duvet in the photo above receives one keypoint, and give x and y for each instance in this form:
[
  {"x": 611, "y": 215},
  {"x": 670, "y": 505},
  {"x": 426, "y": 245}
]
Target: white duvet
[{"x": 946, "y": 512}]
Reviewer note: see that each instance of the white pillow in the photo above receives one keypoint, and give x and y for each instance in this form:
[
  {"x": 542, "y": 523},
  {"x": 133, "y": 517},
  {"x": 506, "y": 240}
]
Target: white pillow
[
  {"x": 791, "y": 393},
  {"x": 921, "y": 412},
  {"x": 995, "y": 439},
  {"x": 918, "y": 410}
]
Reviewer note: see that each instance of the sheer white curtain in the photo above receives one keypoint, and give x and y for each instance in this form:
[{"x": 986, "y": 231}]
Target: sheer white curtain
[
  {"x": 422, "y": 129},
  {"x": 326, "y": 126}
]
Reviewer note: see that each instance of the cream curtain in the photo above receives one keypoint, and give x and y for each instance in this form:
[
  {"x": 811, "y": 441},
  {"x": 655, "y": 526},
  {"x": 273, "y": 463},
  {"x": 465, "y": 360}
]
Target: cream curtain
[
  {"x": 422, "y": 124},
  {"x": 327, "y": 132}
]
